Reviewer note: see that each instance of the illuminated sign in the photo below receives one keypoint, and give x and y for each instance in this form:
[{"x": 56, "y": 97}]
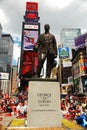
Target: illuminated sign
[
  {"x": 76, "y": 70},
  {"x": 29, "y": 39},
  {"x": 31, "y": 15},
  {"x": 83, "y": 66},
  {"x": 31, "y": 21},
  {"x": 63, "y": 52},
  {"x": 80, "y": 41},
  {"x": 29, "y": 66},
  {"x": 4, "y": 75},
  {"x": 28, "y": 26},
  {"x": 32, "y": 6}
]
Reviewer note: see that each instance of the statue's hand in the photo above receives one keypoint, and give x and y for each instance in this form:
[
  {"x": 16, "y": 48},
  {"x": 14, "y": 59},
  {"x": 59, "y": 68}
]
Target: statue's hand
[
  {"x": 55, "y": 56},
  {"x": 35, "y": 48}
]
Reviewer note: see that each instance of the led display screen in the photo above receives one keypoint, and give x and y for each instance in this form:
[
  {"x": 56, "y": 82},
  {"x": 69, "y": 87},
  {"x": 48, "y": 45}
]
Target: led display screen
[
  {"x": 31, "y": 15},
  {"x": 32, "y": 6},
  {"x": 29, "y": 64},
  {"x": 29, "y": 39}
]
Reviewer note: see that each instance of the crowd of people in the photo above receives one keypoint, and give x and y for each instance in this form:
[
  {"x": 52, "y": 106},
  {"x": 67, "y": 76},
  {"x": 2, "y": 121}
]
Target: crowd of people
[
  {"x": 16, "y": 105},
  {"x": 71, "y": 109},
  {"x": 74, "y": 110}
]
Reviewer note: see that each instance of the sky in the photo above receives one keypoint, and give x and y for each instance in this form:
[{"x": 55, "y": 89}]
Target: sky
[{"x": 57, "y": 13}]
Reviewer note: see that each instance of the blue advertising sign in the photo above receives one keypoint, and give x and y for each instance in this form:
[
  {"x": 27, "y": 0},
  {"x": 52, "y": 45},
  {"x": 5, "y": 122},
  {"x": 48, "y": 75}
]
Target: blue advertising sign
[
  {"x": 80, "y": 41},
  {"x": 63, "y": 52}
]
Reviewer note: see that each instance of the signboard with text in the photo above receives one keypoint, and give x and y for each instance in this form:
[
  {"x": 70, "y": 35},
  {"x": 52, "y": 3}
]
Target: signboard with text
[
  {"x": 83, "y": 66},
  {"x": 32, "y": 6},
  {"x": 31, "y": 16},
  {"x": 29, "y": 26},
  {"x": 63, "y": 52},
  {"x": 29, "y": 39},
  {"x": 4, "y": 75},
  {"x": 80, "y": 41},
  {"x": 76, "y": 70},
  {"x": 29, "y": 63}
]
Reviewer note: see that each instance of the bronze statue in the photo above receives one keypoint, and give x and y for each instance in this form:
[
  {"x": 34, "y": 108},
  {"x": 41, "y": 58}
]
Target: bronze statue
[{"x": 47, "y": 48}]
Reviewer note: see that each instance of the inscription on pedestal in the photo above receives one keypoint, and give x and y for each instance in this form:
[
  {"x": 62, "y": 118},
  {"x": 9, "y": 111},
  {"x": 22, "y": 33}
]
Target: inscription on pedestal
[{"x": 44, "y": 104}]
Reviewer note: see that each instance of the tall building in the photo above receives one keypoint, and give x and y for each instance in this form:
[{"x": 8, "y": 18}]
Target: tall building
[
  {"x": 6, "y": 54},
  {"x": 30, "y": 32},
  {"x": 67, "y": 37},
  {"x": 0, "y": 30},
  {"x": 14, "y": 79}
]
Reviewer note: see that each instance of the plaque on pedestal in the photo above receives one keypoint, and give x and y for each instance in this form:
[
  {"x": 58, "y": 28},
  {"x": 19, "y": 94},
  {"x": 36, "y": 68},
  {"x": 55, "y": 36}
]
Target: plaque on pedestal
[{"x": 44, "y": 104}]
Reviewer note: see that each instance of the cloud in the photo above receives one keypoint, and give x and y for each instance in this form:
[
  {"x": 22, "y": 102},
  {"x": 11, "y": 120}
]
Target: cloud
[
  {"x": 14, "y": 11},
  {"x": 58, "y": 13},
  {"x": 3, "y": 18}
]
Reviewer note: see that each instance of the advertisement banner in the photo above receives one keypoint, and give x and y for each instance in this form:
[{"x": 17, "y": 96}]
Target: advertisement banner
[
  {"x": 29, "y": 26},
  {"x": 31, "y": 15},
  {"x": 83, "y": 66},
  {"x": 63, "y": 52},
  {"x": 84, "y": 82},
  {"x": 29, "y": 64},
  {"x": 76, "y": 70},
  {"x": 4, "y": 75},
  {"x": 29, "y": 39},
  {"x": 32, "y": 6},
  {"x": 76, "y": 85},
  {"x": 80, "y": 41},
  {"x": 31, "y": 21}
]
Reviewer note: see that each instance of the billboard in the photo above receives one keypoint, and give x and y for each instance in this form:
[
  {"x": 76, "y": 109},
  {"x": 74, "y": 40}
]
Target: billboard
[
  {"x": 29, "y": 39},
  {"x": 29, "y": 63},
  {"x": 76, "y": 85},
  {"x": 29, "y": 26},
  {"x": 31, "y": 16},
  {"x": 76, "y": 70},
  {"x": 63, "y": 52},
  {"x": 68, "y": 35},
  {"x": 80, "y": 41},
  {"x": 32, "y": 6},
  {"x": 4, "y": 75},
  {"x": 84, "y": 82},
  {"x": 83, "y": 66}
]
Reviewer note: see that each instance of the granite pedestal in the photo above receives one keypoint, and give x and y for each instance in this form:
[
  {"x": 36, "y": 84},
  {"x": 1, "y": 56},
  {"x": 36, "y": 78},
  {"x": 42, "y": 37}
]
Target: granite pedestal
[{"x": 43, "y": 103}]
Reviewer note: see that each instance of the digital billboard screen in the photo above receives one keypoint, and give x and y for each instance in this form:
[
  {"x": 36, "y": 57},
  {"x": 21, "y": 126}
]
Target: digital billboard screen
[
  {"x": 29, "y": 39},
  {"x": 63, "y": 52},
  {"x": 80, "y": 41},
  {"x": 32, "y": 6},
  {"x": 29, "y": 64},
  {"x": 31, "y": 15}
]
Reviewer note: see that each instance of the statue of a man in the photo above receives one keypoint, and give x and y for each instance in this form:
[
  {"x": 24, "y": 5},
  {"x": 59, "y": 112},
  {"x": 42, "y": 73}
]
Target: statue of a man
[{"x": 47, "y": 48}]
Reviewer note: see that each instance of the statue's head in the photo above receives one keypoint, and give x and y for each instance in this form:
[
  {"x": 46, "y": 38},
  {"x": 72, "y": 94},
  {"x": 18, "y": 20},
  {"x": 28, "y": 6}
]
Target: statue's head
[{"x": 46, "y": 27}]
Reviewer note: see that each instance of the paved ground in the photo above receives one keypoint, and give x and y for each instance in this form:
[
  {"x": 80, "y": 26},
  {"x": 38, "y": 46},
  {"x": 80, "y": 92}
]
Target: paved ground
[{"x": 6, "y": 118}]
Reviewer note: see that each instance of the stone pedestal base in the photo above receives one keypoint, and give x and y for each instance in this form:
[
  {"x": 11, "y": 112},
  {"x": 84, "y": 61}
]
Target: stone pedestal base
[
  {"x": 25, "y": 128},
  {"x": 44, "y": 104}
]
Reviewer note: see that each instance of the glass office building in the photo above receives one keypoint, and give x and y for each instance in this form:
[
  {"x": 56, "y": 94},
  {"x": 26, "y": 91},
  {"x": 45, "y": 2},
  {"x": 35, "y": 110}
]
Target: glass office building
[
  {"x": 6, "y": 53},
  {"x": 67, "y": 38},
  {"x": 68, "y": 35},
  {"x": 0, "y": 31}
]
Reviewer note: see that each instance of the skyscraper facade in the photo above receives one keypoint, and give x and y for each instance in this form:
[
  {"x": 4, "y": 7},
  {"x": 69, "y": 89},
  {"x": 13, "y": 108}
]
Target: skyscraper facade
[
  {"x": 67, "y": 37},
  {"x": 6, "y": 54},
  {"x": 67, "y": 40}
]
